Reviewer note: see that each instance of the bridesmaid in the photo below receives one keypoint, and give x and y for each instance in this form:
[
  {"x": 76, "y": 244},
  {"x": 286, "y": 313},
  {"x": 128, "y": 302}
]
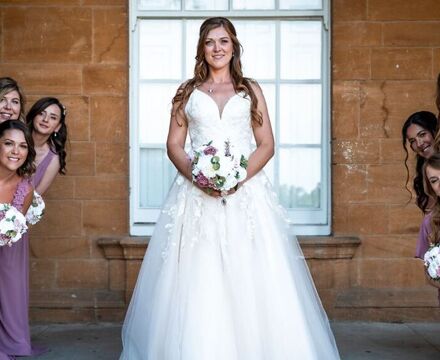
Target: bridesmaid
[
  {"x": 16, "y": 167},
  {"x": 419, "y": 131},
  {"x": 430, "y": 227},
  {"x": 47, "y": 121},
  {"x": 11, "y": 100}
]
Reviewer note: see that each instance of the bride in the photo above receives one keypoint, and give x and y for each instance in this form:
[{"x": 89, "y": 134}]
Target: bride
[{"x": 222, "y": 280}]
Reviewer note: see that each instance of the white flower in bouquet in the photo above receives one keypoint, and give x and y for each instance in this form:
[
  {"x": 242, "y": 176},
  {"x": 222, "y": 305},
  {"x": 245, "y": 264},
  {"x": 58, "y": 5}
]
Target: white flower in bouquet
[
  {"x": 12, "y": 224},
  {"x": 432, "y": 262},
  {"x": 218, "y": 166},
  {"x": 36, "y": 210}
]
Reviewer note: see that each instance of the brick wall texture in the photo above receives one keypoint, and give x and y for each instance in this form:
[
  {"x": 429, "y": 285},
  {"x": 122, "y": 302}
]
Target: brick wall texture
[{"x": 385, "y": 58}]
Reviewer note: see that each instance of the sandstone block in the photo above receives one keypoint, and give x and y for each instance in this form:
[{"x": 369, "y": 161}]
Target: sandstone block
[
  {"x": 110, "y": 35},
  {"x": 42, "y": 274},
  {"x": 351, "y": 64},
  {"x": 62, "y": 35},
  {"x": 347, "y": 10},
  {"x": 386, "y": 183},
  {"x": 355, "y": 151},
  {"x": 101, "y": 188},
  {"x": 112, "y": 159},
  {"x": 403, "y": 10},
  {"x": 109, "y": 119},
  {"x": 346, "y": 34},
  {"x": 82, "y": 158},
  {"x": 109, "y": 217},
  {"x": 61, "y": 218},
  {"x": 412, "y": 33},
  {"x": 44, "y": 247},
  {"x": 83, "y": 274},
  {"x": 48, "y": 79},
  {"x": 401, "y": 64},
  {"x": 367, "y": 219},
  {"x": 105, "y": 79},
  {"x": 349, "y": 183},
  {"x": 345, "y": 109}
]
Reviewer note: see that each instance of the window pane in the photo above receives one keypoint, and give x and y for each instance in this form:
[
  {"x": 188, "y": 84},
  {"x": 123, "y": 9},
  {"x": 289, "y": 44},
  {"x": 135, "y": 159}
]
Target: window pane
[
  {"x": 192, "y": 36},
  {"x": 160, "y": 49},
  {"x": 253, "y": 4},
  {"x": 156, "y": 176},
  {"x": 301, "y": 4},
  {"x": 300, "y": 50},
  {"x": 159, "y": 4},
  {"x": 206, "y": 4},
  {"x": 300, "y": 177},
  {"x": 154, "y": 112},
  {"x": 258, "y": 40},
  {"x": 300, "y": 114}
]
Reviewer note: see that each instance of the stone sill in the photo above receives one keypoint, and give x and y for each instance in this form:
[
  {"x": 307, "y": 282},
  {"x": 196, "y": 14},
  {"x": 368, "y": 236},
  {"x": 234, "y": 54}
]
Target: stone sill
[
  {"x": 314, "y": 247},
  {"x": 392, "y": 298}
]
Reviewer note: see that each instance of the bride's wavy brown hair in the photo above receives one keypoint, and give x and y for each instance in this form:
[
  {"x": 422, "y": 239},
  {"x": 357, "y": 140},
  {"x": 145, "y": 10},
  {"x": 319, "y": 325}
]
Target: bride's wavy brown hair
[
  {"x": 433, "y": 162},
  {"x": 201, "y": 70}
]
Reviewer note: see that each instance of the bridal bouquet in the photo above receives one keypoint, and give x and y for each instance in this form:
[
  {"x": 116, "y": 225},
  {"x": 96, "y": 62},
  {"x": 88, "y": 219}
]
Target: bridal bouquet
[
  {"x": 36, "y": 210},
  {"x": 12, "y": 224},
  {"x": 432, "y": 262},
  {"x": 218, "y": 167}
]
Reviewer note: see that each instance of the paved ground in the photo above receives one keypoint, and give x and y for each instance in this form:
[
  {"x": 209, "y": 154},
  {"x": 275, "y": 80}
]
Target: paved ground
[{"x": 356, "y": 341}]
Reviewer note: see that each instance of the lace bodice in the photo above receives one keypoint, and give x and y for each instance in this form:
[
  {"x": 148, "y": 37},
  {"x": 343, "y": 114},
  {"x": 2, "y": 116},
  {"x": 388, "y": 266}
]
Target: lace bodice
[{"x": 206, "y": 123}]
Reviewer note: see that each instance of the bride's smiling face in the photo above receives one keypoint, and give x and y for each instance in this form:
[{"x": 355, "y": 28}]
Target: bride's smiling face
[{"x": 218, "y": 48}]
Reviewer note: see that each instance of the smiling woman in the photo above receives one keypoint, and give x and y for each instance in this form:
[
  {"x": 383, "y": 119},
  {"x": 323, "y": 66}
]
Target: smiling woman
[
  {"x": 11, "y": 100},
  {"x": 47, "y": 122},
  {"x": 16, "y": 167},
  {"x": 419, "y": 131}
]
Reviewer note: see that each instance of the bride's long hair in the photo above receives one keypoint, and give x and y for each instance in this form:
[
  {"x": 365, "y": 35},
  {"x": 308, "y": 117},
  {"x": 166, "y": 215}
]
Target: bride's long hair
[{"x": 201, "y": 70}]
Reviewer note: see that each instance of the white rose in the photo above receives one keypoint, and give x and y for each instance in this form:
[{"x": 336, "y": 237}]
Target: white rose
[
  {"x": 231, "y": 181},
  {"x": 205, "y": 166},
  {"x": 432, "y": 272},
  {"x": 242, "y": 173}
]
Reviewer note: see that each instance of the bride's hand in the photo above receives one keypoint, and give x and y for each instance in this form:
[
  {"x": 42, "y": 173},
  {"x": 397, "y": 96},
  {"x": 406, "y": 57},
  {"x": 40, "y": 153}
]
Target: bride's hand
[{"x": 211, "y": 192}]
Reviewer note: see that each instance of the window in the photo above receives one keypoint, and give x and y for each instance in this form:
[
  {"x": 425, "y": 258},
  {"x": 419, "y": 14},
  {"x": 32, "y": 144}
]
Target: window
[{"x": 286, "y": 49}]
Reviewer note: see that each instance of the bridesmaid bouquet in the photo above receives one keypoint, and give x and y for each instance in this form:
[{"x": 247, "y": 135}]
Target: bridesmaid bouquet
[
  {"x": 217, "y": 167},
  {"x": 36, "y": 210},
  {"x": 432, "y": 262},
  {"x": 12, "y": 224}
]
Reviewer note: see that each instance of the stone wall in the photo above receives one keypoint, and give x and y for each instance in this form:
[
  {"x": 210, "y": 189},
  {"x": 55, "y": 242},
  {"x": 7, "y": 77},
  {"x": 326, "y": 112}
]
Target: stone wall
[
  {"x": 76, "y": 50},
  {"x": 385, "y": 57}
]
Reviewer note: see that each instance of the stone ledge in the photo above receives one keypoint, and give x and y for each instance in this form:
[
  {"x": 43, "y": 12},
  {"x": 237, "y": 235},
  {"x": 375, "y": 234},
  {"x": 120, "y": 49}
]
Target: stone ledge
[
  {"x": 329, "y": 247},
  {"x": 367, "y": 298},
  {"x": 314, "y": 247}
]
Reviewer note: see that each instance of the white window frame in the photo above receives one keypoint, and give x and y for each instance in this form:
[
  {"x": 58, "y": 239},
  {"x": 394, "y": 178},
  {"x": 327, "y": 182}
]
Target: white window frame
[{"x": 304, "y": 223}]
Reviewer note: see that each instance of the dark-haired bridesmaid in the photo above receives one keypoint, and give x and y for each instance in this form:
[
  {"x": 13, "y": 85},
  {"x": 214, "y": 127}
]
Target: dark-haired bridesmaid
[
  {"x": 16, "y": 167},
  {"x": 47, "y": 121}
]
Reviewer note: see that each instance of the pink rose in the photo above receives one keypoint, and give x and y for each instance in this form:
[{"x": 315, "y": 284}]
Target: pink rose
[
  {"x": 210, "y": 150},
  {"x": 202, "y": 180}
]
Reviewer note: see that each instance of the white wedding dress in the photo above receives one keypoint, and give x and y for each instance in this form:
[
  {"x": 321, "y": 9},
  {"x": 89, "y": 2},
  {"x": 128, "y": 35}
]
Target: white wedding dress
[{"x": 224, "y": 282}]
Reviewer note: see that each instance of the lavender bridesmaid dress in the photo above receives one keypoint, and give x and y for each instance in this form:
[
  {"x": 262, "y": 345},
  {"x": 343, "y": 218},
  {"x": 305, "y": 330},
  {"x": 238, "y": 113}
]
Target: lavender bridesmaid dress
[
  {"x": 14, "y": 283},
  {"x": 423, "y": 242}
]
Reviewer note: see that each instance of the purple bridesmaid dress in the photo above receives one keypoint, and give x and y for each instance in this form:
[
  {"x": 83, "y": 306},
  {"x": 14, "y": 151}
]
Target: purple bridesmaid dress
[
  {"x": 423, "y": 242},
  {"x": 14, "y": 283}
]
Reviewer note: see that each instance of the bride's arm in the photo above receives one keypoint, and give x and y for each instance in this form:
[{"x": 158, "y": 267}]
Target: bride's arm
[
  {"x": 176, "y": 143},
  {"x": 263, "y": 137}
]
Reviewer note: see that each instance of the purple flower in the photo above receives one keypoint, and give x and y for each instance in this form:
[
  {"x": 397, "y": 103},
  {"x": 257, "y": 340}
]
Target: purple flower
[
  {"x": 202, "y": 180},
  {"x": 210, "y": 150}
]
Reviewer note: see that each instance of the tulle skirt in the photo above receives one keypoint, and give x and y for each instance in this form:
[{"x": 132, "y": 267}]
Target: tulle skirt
[{"x": 225, "y": 282}]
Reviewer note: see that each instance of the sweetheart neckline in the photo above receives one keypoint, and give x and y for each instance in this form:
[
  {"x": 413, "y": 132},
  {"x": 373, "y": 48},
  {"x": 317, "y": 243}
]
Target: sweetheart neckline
[{"x": 220, "y": 113}]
